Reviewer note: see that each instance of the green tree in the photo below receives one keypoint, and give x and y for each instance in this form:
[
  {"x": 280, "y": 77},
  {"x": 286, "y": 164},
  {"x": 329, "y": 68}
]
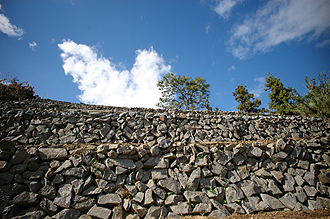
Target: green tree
[
  {"x": 246, "y": 100},
  {"x": 182, "y": 92},
  {"x": 15, "y": 90},
  {"x": 281, "y": 98},
  {"x": 316, "y": 103}
]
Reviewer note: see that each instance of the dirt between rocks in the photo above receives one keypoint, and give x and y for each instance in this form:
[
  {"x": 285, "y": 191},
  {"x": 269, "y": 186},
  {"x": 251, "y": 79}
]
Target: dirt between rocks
[{"x": 306, "y": 214}]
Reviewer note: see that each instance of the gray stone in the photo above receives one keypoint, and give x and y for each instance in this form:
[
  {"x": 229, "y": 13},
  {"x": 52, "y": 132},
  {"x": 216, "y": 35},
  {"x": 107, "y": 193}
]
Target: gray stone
[
  {"x": 217, "y": 214},
  {"x": 26, "y": 199},
  {"x": 99, "y": 212},
  {"x": 220, "y": 207},
  {"x": 202, "y": 208},
  {"x": 314, "y": 205},
  {"x": 53, "y": 153},
  {"x": 153, "y": 212},
  {"x": 309, "y": 178},
  {"x": 272, "y": 202},
  {"x": 196, "y": 197},
  {"x": 125, "y": 163},
  {"x": 289, "y": 182},
  {"x": 289, "y": 200},
  {"x": 310, "y": 191},
  {"x": 193, "y": 181},
  {"x": 234, "y": 208},
  {"x": 108, "y": 174},
  {"x": 139, "y": 196},
  {"x": 148, "y": 199},
  {"x": 165, "y": 143},
  {"x": 170, "y": 184},
  {"x": 158, "y": 191},
  {"x": 181, "y": 208},
  {"x": 300, "y": 194},
  {"x": 32, "y": 212},
  {"x": 249, "y": 188},
  {"x": 279, "y": 156},
  {"x": 19, "y": 156},
  {"x": 109, "y": 199},
  {"x": 273, "y": 187},
  {"x": 92, "y": 191},
  {"x": 233, "y": 193},
  {"x": 158, "y": 174},
  {"x": 82, "y": 203},
  {"x": 233, "y": 176},
  {"x": 255, "y": 152},
  {"x": 239, "y": 159},
  {"x": 74, "y": 171},
  {"x": 138, "y": 209},
  {"x": 48, "y": 206},
  {"x": 263, "y": 173},
  {"x": 63, "y": 197},
  {"x": 173, "y": 199},
  {"x": 325, "y": 202}
]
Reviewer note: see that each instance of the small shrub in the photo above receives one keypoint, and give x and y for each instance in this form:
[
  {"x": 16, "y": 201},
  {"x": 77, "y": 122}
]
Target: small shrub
[{"x": 15, "y": 90}]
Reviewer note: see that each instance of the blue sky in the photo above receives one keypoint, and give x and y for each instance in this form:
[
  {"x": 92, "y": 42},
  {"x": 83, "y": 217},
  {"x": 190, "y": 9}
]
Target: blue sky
[{"x": 114, "y": 52}]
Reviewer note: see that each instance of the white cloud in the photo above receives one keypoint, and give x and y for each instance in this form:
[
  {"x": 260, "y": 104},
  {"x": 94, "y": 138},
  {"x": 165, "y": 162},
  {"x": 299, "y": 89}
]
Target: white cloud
[
  {"x": 7, "y": 28},
  {"x": 280, "y": 21},
  {"x": 33, "y": 45},
  {"x": 102, "y": 82},
  {"x": 259, "y": 88},
  {"x": 224, "y": 7},
  {"x": 231, "y": 68}
]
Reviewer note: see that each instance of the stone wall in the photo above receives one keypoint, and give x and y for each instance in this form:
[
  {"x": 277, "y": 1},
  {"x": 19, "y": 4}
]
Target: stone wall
[{"x": 65, "y": 160}]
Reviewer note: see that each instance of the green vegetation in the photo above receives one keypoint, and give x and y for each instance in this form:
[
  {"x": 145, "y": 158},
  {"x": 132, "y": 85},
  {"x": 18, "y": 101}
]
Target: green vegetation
[
  {"x": 316, "y": 103},
  {"x": 246, "y": 101},
  {"x": 182, "y": 92},
  {"x": 15, "y": 90},
  {"x": 281, "y": 98}
]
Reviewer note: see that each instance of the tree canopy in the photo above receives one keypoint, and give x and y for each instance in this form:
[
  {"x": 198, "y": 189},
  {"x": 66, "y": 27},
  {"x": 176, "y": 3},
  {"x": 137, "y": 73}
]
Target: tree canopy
[
  {"x": 183, "y": 92},
  {"x": 281, "y": 98},
  {"x": 246, "y": 100},
  {"x": 316, "y": 103}
]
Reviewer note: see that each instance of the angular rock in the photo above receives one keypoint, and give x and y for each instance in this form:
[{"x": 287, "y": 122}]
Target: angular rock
[
  {"x": 196, "y": 197},
  {"x": 53, "y": 153},
  {"x": 289, "y": 200},
  {"x": 26, "y": 199},
  {"x": 138, "y": 209},
  {"x": 170, "y": 184},
  {"x": 181, "y": 208},
  {"x": 153, "y": 212},
  {"x": 109, "y": 199},
  {"x": 201, "y": 208},
  {"x": 99, "y": 212},
  {"x": 193, "y": 181},
  {"x": 125, "y": 163},
  {"x": 63, "y": 197},
  {"x": 48, "y": 206},
  {"x": 272, "y": 202},
  {"x": 82, "y": 203},
  {"x": 234, "y": 208},
  {"x": 233, "y": 193}
]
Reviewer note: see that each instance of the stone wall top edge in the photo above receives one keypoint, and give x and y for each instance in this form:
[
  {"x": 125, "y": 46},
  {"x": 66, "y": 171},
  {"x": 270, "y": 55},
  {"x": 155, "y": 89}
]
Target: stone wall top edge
[{"x": 49, "y": 105}]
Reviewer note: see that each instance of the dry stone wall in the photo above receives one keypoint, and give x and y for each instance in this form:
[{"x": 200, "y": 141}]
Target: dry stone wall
[{"x": 66, "y": 160}]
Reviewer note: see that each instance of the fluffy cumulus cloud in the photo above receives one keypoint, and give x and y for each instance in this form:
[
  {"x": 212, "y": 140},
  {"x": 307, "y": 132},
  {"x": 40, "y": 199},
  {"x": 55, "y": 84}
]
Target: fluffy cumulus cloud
[
  {"x": 33, "y": 45},
  {"x": 259, "y": 87},
  {"x": 7, "y": 28},
  {"x": 224, "y": 7},
  {"x": 104, "y": 83},
  {"x": 281, "y": 21}
]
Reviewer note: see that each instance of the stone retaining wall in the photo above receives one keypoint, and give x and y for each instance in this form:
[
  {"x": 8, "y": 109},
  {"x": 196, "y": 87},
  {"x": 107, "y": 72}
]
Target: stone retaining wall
[{"x": 144, "y": 163}]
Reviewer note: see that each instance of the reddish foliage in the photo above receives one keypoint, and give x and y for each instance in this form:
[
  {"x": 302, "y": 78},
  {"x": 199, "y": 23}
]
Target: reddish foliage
[{"x": 15, "y": 90}]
